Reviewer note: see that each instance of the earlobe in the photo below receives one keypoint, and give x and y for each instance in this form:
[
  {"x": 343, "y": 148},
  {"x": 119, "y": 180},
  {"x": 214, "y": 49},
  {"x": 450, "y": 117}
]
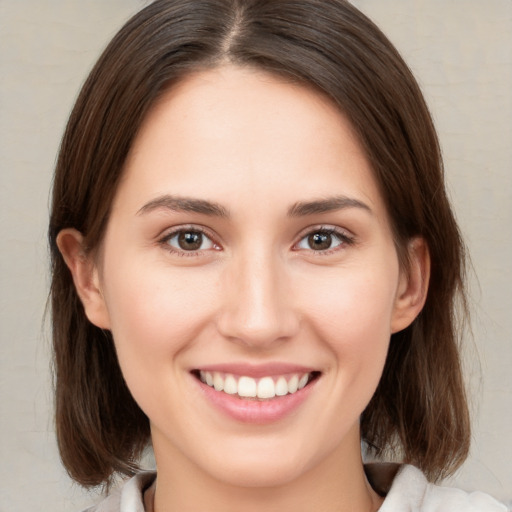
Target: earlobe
[
  {"x": 413, "y": 286},
  {"x": 85, "y": 276}
]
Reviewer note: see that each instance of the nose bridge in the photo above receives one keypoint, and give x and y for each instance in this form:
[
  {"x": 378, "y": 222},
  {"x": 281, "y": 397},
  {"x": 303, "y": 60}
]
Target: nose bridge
[{"x": 257, "y": 310}]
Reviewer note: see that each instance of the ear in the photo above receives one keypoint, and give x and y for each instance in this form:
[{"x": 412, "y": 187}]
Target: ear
[
  {"x": 413, "y": 286},
  {"x": 85, "y": 276}
]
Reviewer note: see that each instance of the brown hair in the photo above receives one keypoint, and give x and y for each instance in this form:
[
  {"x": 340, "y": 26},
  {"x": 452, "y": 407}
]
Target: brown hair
[{"x": 419, "y": 410}]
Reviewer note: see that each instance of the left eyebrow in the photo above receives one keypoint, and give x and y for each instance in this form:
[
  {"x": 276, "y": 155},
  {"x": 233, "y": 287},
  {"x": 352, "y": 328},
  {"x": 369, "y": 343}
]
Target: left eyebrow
[{"x": 329, "y": 204}]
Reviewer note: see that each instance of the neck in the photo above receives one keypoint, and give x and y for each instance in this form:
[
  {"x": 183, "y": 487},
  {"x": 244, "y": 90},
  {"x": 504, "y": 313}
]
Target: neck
[{"x": 338, "y": 483}]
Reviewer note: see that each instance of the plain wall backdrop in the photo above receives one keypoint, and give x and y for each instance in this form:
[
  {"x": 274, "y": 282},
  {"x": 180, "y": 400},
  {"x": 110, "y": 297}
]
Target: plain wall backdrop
[{"x": 461, "y": 53}]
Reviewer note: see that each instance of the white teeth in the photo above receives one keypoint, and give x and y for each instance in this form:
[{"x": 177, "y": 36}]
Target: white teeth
[
  {"x": 218, "y": 382},
  {"x": 230, "y": 386},
  {"x": 281, "y": 387},
  {"x": 247, "y": 387},
  {"x": 266, "y": 388},
  {"x": 293, "y": 384},
  {"x": 303, "y": 380}
]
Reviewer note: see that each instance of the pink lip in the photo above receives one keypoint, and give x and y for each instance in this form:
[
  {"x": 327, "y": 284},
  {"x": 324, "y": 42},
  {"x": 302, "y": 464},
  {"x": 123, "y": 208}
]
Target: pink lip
[
  {"x": 254, "y": 411},
  {"x": 257, "y": 371}
]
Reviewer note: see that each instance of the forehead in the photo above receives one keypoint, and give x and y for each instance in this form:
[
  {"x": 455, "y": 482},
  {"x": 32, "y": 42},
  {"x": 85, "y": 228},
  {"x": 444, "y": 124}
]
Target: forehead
[{"x": 223, "y": 130}]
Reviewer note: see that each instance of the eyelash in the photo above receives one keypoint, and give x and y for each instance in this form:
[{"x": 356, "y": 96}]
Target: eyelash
[
  {"x": 344, "y": 238},
  {"x": 164, "y": 241}
]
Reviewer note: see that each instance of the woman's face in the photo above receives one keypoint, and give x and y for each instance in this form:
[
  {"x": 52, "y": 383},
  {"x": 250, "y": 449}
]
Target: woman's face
[{"x": 249, "y": 249}]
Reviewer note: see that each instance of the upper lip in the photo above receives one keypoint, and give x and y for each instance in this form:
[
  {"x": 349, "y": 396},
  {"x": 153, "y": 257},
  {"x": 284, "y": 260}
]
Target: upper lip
[{"x": 257, "y": 370}]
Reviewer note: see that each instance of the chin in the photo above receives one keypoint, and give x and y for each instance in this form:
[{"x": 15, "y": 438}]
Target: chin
[
  {"x": 259, "y": 474},
  {"x": 268, "y": 465}
]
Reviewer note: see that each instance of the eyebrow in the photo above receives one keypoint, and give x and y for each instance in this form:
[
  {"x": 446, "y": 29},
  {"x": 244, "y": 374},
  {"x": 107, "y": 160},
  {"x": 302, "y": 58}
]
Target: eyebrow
[
  {"x": 204, "y": 207},
  {"x": 329, "y": 204},
  {"x": 184, "y": 204}
]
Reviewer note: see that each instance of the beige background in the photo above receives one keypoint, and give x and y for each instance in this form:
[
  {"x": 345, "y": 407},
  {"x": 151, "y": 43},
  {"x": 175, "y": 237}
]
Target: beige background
[{"x": 461, "y": 52}]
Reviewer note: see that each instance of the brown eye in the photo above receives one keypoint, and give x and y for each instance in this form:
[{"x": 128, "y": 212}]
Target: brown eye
[
  {"x": 324, "y": 239},
  {"x": 189, "y": 240},
  {"x": 320, "y": 241}
]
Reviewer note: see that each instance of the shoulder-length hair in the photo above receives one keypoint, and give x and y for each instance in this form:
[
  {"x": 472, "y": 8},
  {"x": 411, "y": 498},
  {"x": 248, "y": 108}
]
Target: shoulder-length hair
[{"x": 419, "y": 410}]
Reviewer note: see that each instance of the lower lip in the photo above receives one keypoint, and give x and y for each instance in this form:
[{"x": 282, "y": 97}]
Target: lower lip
[{"x": 256, "y": 411}]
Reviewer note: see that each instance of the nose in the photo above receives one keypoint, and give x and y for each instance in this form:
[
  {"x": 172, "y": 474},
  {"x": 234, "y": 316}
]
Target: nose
[{"x": 257, "y": 307}]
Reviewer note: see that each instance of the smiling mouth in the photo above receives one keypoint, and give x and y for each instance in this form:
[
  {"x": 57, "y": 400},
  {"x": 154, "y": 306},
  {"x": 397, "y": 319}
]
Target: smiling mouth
[{"x": 249, "y": 388}]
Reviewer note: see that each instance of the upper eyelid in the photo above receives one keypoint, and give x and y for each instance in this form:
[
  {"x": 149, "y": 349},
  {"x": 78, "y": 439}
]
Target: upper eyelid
[
  {"x": 171, "y": 231},
  {"x": 325, "y": 227}
]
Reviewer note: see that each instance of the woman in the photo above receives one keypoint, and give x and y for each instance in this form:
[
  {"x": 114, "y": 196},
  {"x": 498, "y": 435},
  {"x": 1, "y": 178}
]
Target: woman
[{"x": 255, "y": 266}]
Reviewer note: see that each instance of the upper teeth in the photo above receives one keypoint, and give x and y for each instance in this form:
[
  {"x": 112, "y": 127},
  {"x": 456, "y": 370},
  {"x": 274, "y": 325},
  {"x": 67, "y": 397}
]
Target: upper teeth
[{"x": 247, "y": 387}]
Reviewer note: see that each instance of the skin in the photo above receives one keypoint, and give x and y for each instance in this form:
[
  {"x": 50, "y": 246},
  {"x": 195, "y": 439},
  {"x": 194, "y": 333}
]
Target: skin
[{"x": 256, "y": 291}]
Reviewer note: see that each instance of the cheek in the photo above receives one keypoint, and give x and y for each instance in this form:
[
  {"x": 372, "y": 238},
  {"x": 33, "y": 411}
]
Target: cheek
[
  {"x": 155, "y": 311},
  {"x": 351, "y": 315},
  {"x": 351, "y": 302},
  {"x": 156, "y": 315}
]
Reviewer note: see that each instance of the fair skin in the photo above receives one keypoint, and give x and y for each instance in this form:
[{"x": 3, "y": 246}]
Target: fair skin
[{"x": 248, "y": 237}]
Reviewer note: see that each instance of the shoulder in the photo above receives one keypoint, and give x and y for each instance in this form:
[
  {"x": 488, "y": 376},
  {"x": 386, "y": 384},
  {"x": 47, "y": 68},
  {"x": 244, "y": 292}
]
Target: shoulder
[
  {"x": 128, "y": 498},
  {"x": 411, "y": 492}
]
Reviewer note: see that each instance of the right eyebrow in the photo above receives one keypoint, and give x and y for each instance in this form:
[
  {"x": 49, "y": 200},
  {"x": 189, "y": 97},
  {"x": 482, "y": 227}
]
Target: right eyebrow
[{"x": 184, "y": 204}]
